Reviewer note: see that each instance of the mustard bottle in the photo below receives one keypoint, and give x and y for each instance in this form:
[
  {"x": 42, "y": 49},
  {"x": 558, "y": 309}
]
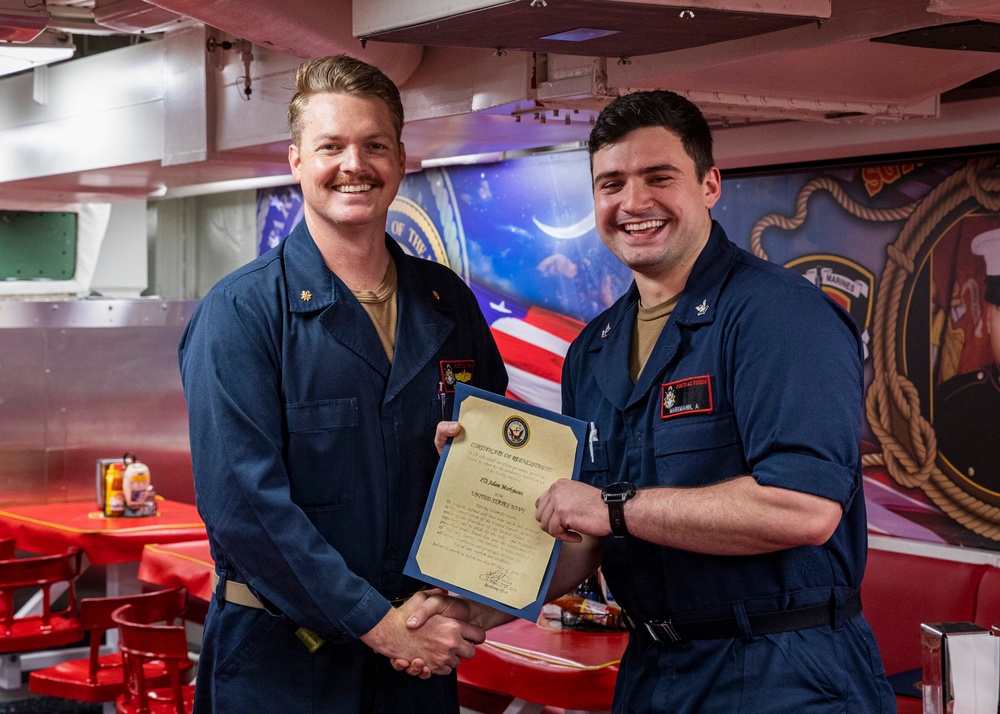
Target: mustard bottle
[{"x": 114, "y": 498}]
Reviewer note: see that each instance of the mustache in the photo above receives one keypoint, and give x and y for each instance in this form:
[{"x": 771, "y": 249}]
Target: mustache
[{"x": 356, "y": 179}]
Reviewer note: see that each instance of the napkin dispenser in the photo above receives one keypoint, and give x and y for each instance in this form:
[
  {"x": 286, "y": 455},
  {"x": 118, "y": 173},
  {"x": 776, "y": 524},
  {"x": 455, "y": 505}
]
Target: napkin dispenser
[{"x": 960, "y": 668}]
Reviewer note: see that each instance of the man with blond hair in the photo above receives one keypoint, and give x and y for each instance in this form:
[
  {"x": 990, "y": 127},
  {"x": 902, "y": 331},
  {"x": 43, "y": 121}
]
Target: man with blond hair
[{"x": 312, "y": 377}]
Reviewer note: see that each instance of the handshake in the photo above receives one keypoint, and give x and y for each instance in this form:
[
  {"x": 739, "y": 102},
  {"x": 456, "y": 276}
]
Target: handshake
[{"x": 432, "y": 632}]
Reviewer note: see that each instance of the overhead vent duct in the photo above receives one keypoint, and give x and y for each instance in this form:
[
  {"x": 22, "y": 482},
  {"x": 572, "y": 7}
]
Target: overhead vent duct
[
  {"x": 19, "y": 23},
  {"x": 612, "y": 28}
]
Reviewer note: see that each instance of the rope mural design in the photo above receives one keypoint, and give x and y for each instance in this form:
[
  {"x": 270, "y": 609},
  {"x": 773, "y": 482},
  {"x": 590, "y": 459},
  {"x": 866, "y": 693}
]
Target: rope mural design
[{"x": 900, "y": 398}]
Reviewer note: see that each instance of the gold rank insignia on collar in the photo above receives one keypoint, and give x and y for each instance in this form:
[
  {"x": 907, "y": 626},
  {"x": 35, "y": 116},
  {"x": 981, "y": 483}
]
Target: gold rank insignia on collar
[
  {"x": 435, "y": 294},
  {"x": 306, "y": 295}
]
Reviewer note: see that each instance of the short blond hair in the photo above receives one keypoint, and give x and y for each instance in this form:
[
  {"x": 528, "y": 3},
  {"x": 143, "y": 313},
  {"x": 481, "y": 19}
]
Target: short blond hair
[{"x": 345, "y": 75}]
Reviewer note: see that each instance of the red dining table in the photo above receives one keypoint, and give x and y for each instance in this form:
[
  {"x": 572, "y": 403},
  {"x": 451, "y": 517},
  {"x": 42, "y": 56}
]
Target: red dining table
[
  {"x": 54, "y": 527},
  {"x": 188, "y": 564},
  {"x": 115, "y": 543},
  {"x": 543, "y": 666}
]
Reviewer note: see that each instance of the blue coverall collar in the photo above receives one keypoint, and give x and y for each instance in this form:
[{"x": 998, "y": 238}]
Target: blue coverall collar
[
  {"x": 696, "y": 306},
  {"x": 699, "y": 300},
  {"x": 423, "y": 323}
]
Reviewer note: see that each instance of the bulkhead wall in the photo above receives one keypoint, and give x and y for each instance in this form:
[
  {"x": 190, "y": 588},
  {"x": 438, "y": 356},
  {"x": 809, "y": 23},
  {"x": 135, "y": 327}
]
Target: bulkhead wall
[{"x": 90, "y": 379}]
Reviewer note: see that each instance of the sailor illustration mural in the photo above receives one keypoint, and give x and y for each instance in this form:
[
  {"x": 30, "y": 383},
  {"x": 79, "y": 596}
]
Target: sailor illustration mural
[{"x": 967, "y": 406}]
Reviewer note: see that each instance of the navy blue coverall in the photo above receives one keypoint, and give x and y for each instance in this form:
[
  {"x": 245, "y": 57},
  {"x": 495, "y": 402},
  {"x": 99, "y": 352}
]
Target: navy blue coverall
[
  {"x": 312, "y": 458},
  {"x": 756, "y": 372}
]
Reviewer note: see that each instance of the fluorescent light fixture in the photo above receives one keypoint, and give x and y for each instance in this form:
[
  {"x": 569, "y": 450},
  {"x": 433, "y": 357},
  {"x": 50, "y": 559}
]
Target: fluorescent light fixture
[
  {"x": 204, "y": 189},
  {"x": 580, "y": 34},
  {"x": 47, "y": 47}
]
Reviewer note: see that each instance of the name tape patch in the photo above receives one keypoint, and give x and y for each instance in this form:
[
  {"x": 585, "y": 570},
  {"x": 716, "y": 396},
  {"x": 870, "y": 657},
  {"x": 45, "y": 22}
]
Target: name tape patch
[{"x": 686, "y": 396}]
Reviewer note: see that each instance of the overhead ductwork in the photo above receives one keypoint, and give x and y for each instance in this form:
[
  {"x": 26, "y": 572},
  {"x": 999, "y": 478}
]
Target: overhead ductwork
[
  {"x": 596, "y": 28},
  {"x": 300, "y": 29}
]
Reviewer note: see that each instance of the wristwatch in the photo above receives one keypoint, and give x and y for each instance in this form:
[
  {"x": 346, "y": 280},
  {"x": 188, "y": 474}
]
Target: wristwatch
[{"x": 615, "y": 495}]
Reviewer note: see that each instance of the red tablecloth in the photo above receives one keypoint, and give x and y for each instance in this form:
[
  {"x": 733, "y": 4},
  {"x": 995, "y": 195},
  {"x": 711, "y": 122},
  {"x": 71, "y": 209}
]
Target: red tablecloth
[
  {"x": 187, "y": 563},
  {"x": 539, "y": 663},
  {"x": 54, "y": 527}
]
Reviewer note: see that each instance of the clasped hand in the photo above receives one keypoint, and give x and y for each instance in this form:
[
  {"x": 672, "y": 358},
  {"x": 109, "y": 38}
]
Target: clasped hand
[{"x": 441, "y": 626}]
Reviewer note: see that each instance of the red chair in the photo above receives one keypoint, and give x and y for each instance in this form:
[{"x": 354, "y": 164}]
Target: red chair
[
  {"x": 6, "y": 553},
  {"x": 102, "y": 679},
  {"x": 50, "y": 628},
  {"x": 141, "y": 643}
]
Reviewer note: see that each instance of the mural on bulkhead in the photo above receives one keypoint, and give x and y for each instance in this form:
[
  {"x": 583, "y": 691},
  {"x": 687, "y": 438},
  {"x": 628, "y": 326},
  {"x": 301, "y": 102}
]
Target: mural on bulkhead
[{"x": 906, "y": 249}]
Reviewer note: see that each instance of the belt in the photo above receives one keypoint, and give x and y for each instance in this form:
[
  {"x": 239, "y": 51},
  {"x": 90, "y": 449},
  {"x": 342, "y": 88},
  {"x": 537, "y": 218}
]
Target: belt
[
  {"x": 240, "y": 594},
  {"x": 765, "y": 623}
]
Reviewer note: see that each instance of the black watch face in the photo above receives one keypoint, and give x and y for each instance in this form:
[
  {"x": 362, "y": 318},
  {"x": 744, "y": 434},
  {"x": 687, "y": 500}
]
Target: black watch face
[{"x": 617, "y": 491}]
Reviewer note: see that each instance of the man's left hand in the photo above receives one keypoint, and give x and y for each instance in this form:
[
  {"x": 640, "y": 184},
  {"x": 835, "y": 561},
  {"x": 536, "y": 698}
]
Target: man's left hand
[{"x": 569, "y": 510}]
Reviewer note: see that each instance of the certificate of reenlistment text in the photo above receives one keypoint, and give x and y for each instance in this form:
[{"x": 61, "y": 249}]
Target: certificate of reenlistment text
[{"x": 479, "y": 537}]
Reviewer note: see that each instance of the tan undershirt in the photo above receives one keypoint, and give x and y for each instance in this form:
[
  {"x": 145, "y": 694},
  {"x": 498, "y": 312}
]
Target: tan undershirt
[
  {"x": 649, "y": 322},
  {"x": 380, "y": 304}
]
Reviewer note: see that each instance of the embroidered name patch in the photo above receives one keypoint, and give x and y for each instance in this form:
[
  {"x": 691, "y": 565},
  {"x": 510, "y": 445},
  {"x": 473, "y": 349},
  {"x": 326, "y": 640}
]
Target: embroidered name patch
[
  {"x": 686, "y": 396},
  {"x": 454, "y": 371}
]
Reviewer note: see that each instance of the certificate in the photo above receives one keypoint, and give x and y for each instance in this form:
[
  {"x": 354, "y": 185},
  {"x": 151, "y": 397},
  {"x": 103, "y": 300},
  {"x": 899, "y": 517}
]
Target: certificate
[{"x": 478, "y": 536}]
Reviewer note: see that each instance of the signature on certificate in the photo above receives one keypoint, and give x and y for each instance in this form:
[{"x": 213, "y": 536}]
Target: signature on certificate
[{"x": 496, "y": 580}]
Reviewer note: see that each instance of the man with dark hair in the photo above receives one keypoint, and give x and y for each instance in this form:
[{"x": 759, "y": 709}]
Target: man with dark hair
[
  {"x": 312, "y": 379},
  {"x": 724, "y": 496},
  {"x": 722, "y": 493}
]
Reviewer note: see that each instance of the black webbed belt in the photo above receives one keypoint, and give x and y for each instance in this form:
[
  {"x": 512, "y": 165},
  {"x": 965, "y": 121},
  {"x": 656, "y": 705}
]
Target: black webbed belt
[{"x": 765, "y": 623}]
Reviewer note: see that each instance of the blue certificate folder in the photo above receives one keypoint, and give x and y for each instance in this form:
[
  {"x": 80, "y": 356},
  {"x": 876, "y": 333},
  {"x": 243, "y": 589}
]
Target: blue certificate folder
[{"x": 579, "y": 429}]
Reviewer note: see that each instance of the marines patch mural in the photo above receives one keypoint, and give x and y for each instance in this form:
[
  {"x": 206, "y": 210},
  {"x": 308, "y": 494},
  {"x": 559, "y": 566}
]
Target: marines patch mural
[{"x": 910, "y": 250}]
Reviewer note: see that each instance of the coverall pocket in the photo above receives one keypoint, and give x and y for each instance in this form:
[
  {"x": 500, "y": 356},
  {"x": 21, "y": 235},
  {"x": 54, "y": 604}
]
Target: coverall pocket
[
  {"x": 322, "y": 415},
  {"x": 249, "y": 631},
  {"x": 324, "y": 451},
  {"x": 595, "y": 462},
  {"x": 804, "y": 666},
  {"x": 697, "y": 450},
  {"x": 443, "y": 413}
]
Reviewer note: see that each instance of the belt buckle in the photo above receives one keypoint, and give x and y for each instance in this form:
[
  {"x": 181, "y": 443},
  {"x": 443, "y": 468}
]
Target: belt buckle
[{"x": 657, "y": 629}]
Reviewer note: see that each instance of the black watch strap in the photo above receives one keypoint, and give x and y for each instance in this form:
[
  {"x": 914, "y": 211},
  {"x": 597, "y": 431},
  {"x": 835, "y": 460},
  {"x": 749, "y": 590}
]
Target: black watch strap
[
  {"x": 616, "y": 512},
  {"x": 615, "y": 495}
]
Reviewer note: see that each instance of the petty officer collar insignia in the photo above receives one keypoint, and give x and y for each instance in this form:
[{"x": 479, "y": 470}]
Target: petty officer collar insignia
[
  {"x": 306, "y": 295},
  {"x": 606, "y": 331},
  {"x": 702, "y": 309}
]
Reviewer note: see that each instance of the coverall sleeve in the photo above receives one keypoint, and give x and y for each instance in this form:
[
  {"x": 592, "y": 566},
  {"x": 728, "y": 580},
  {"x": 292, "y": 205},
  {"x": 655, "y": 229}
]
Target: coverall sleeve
[
  {"x": 230, "y": 359},
  {"x": 797, "y": 393}
]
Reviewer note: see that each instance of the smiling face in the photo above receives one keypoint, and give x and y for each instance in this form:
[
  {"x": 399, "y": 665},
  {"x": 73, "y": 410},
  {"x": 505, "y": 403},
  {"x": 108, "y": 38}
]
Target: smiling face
[
  {"x": 349, "y": 163},
  {"x": 651, "y": 209}
]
